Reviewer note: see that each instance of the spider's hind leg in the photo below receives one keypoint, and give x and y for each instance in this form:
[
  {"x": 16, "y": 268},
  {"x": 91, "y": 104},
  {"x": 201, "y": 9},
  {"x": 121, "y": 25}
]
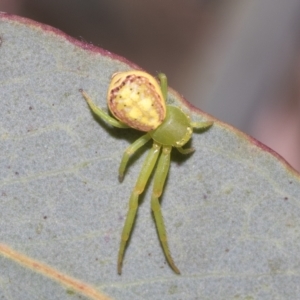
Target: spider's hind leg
[
  {"x": 159, "y": 180},
  {"x": 144, "y": 175}
]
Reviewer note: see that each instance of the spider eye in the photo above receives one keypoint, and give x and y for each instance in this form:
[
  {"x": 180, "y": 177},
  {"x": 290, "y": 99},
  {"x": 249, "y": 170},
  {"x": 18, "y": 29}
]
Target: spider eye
[{"x": 135, "y": 98}]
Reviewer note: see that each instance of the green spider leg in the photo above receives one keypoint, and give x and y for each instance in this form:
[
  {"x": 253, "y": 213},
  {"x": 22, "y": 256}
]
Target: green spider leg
[
  {"x": 197, "y": 125},
  {"x": 101, "y": 113},
  {"x": 159, "y": 181},
  {"x": 163, "y": 85},
  {"x": 202, "y": 125},
  {"x": 130, "y": 151},
  {"x": 144, "y": 175}
]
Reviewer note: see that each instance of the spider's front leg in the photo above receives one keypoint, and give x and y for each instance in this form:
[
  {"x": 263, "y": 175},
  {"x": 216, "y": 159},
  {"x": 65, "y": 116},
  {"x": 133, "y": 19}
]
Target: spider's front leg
[
  {"x": 159, "y": 180},
  {"x": 196, "y": 125},
  {"x": 100, "y": 113},
  {"x": 144, "y": 175}
]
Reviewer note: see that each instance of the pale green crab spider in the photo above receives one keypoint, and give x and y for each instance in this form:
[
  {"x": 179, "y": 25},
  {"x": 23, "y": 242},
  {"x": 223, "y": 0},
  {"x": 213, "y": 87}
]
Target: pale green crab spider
[{"x": 137, "y": 100}]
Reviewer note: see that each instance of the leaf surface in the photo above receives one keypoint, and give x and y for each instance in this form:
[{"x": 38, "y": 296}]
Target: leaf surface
[{"x": 231, "y": 209}]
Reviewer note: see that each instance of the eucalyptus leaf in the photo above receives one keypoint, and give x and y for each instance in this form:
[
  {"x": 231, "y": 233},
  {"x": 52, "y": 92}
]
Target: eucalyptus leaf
[{"x": 231, "y": 209}]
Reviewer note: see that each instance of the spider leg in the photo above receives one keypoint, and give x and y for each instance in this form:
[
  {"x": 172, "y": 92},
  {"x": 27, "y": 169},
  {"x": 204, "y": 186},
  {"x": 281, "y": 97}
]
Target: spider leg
[
  {"x": 185, "y": 151},
  {"x": 130, "y": 151},
  {"x": 202, "y": 125},
  {"x": 144, "y": 175},
  {"x": 101, "y": 113},
  {"x": 159, "y": 180},
  {"x": 163, "y": 84}
]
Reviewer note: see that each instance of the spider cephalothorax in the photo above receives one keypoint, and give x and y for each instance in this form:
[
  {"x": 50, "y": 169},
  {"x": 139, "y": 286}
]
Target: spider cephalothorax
[{"x": 138, "y": 101}]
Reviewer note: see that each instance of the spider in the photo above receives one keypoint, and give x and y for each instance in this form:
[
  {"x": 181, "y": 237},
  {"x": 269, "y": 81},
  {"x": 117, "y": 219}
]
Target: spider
[{"x": 137, "y": 100}]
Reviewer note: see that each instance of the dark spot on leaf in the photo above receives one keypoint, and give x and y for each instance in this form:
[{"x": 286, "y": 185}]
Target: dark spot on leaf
[
  {"x": 286, "y": 198},
  {"x": 70, "y": 292},
  {"x": 30, "y": 107},
  {"x": 16, "y": 173},
  {"x": 45, "y": 217}
]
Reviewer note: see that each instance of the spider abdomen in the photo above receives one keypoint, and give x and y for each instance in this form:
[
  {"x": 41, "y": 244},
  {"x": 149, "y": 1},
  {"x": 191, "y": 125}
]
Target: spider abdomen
[{"x": 135, "y": 98}]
